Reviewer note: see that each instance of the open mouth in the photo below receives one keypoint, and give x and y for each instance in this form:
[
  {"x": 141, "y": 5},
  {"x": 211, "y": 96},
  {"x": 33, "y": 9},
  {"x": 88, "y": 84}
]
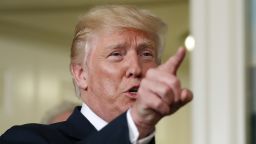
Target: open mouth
[{"x": 134, "y": 90}]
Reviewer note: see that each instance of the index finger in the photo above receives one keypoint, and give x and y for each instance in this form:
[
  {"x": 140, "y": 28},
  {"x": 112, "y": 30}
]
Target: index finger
[{"x": 173, "y": 63}]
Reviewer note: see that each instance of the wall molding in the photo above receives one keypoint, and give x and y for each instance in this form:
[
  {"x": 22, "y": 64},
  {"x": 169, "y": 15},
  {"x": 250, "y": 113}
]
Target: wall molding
[{"x": 218, "y": 72}]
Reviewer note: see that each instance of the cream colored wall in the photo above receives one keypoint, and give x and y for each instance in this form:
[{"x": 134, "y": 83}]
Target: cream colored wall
[
  {"x": 32, "y": 81},
  {"x": 34, "y": 73}
]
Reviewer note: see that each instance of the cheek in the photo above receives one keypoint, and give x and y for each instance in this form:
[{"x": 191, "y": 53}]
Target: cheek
[
  {"x": 109, "y": 86},
  {"x": 108, "y": 78}
]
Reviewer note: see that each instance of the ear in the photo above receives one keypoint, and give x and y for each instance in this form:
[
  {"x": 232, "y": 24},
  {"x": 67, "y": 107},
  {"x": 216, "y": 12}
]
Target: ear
[{"x": 79, "y": 75}]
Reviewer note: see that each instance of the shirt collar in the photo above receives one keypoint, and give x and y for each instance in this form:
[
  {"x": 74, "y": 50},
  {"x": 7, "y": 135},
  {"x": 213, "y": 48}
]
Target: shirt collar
[{"x": 95, "y": 120}]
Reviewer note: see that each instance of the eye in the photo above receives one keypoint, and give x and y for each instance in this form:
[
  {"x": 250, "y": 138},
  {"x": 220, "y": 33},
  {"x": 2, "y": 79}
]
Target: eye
[
  {"x": 147, "y": 54},
  {"x": 115, "y": 56}
]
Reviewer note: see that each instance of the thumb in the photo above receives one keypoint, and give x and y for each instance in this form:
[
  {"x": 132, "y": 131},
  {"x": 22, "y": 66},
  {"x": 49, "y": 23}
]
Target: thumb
[{"x": 173, "y": 63}]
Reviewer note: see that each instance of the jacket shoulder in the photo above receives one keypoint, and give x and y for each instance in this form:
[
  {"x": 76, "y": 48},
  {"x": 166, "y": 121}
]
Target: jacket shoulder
[
  {"x": 23, "y": 134},
  {"x": 29, "y": 133}
]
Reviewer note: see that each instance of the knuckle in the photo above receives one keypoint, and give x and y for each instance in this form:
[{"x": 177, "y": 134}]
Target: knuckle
[
  {"x": 174, "y": 81},
  {"x": 150, "y": 72},
  {"x": 158, "y": 105},
  {"x": 162, "y": 108},
  {"x": 177, "y": 100},
  {"x": 165, "y": 90},
  {"x": 166, "y": 111},
  {"x": 176, "y": 104}
]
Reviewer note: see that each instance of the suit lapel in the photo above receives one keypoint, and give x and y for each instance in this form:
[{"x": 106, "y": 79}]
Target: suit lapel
[{"x": 77, "y": 126}]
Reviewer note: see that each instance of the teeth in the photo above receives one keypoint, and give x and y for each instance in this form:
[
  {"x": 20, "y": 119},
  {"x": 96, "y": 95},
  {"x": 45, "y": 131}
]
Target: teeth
[{"x": 133, "y": 90}]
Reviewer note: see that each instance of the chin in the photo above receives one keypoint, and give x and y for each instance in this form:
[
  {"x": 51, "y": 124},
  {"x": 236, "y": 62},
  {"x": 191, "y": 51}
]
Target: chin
[{"x": 126, "y": 106}]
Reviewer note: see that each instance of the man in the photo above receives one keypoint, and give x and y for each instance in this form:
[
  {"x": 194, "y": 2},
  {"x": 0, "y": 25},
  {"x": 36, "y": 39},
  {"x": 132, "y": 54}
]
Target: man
[{"x": 114, "y": 64}]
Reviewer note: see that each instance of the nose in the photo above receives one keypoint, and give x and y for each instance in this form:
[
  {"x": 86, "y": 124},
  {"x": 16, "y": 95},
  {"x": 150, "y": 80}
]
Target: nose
[{"x": 134, "y": 68}]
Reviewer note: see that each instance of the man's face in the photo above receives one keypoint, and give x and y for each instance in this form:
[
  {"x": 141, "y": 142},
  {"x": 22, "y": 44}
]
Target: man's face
[{"x": 117, "y": 63}]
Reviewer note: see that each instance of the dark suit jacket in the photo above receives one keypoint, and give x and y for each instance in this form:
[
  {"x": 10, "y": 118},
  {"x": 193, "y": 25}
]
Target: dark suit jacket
[
  {"x": 253, "y": 128},
  {"x": 76, "y": 130}
]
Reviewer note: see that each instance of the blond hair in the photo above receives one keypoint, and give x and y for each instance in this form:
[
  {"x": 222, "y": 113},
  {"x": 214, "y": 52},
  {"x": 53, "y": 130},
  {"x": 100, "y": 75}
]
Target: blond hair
[{"x": 114, "y": 17}]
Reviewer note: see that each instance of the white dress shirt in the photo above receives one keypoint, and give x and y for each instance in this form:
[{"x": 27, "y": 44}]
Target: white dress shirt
[{"x": 99, "y": 123}]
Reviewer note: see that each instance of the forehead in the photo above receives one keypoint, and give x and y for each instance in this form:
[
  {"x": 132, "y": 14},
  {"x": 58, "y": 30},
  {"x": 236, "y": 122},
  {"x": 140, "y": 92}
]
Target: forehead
[{"x": 125, "y": 36}]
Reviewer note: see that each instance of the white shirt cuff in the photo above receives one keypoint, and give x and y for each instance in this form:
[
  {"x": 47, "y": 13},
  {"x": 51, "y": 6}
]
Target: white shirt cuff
[{"x": 134, "y": 133}]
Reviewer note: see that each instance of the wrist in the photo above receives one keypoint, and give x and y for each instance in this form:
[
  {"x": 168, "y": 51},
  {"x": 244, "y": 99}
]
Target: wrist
[
  {"x": 144, "y": 128},
  {"x": 145, "y": 131}
]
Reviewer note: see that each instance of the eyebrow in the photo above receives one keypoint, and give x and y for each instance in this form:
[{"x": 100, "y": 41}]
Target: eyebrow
[
  {"x": 147, "y": 44},
  {"x": 118, "y": 45},
  {"x": 142, "y": 45}
]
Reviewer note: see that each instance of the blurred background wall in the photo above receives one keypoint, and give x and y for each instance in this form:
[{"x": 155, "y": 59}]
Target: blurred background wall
[
  {"x": 35, "y": 38},
  {"x": 252, "y": 67},
  {"x": 221, "y": 73}
]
